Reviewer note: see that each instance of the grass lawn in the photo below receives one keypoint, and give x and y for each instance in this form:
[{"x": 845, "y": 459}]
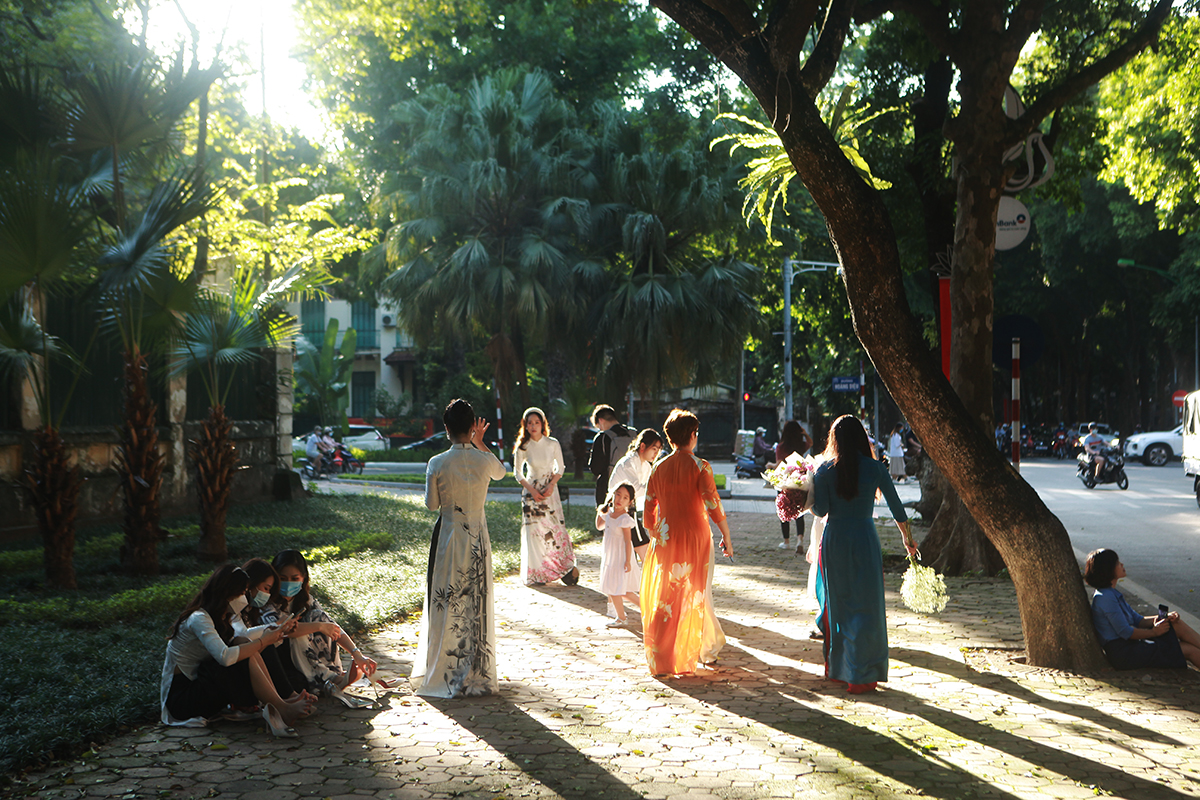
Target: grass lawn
[
  {"x": 87, "y": 663},
  {"x": 508, "y": 482}
]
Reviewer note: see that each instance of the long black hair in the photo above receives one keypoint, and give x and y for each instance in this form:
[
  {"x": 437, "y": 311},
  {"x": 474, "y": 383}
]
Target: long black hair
[
  {"x": 223, "y": 585},
  {"x": 258, "y": 570},
  {"x": 293, "y": 558},
  {"x": 847, "y": 440},
  {"x": 793, "y": 439}
]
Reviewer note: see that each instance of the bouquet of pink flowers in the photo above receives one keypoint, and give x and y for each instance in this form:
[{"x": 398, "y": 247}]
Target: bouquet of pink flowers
[{"x": 793, "y": 480}]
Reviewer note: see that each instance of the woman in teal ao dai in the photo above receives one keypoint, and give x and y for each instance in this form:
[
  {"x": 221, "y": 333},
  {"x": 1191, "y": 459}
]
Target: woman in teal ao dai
[{"x": 850, "y": 582}]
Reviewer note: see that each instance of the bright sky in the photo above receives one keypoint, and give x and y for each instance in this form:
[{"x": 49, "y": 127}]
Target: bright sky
[{"x": 266, "y": 29}]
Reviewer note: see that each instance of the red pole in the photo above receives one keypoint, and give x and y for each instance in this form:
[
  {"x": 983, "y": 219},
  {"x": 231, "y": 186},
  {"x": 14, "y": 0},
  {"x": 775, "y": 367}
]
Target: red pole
[
  {"x": 944, "y": 306},
  {"x": 1016, "y": 403}
]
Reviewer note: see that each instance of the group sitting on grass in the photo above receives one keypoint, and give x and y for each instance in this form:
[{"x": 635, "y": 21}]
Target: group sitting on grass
[{"x": 253, "y": 642}]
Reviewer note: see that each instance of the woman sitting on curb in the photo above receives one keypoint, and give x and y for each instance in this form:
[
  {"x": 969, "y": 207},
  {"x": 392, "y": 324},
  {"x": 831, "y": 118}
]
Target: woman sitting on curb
[{"x": 1130, "y": 640}]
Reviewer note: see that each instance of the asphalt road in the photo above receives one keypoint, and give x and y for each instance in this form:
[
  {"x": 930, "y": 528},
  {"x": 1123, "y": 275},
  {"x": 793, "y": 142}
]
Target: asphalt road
[{"x": 1154, "y": 525}]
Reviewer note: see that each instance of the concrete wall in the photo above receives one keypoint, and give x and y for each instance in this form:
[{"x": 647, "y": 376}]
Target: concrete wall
[{"x": 263, "y": 446}]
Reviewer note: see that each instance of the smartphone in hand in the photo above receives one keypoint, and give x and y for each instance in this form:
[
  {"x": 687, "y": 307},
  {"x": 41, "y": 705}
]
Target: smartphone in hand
[{"x": 1162, "y": 613}]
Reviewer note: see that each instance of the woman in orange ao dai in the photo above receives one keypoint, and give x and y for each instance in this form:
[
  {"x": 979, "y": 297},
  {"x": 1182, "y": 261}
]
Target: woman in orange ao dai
[{"x": 680, "y": 628}]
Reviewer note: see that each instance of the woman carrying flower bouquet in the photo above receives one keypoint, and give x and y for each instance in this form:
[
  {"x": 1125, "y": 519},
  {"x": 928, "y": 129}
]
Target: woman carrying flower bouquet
[
  {"x": 851, "y": 565},
  {"x": 679, "y": 626},
  {"x": 793, "y": 439}
]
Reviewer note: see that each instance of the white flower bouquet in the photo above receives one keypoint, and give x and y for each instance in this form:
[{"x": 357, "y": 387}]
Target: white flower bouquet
[
  {"x": 793, "y": 480},
  {"x": 923, "y": 590}
]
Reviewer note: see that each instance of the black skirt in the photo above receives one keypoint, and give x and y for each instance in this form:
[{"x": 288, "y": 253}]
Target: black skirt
[
  {"x": 215, "y": 687},
  {"x": 1162, "y": 652}
]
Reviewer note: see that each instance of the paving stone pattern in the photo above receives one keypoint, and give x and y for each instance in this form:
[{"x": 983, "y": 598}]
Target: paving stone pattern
[{"x": 578, "y": 716}]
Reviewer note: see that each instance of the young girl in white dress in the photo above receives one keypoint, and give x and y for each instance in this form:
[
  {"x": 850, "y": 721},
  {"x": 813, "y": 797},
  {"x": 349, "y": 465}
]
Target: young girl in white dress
[
  {"x": 546, "y": 551},
  {"x": 618, "y": 573},
  {"x": 635, "y": 469}
]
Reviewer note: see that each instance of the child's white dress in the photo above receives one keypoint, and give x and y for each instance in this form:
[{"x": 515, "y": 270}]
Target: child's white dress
[{"x": 614, "y": 580}]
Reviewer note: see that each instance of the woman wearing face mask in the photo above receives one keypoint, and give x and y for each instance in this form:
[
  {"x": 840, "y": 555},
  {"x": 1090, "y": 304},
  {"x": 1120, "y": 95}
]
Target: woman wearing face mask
[
  {"x": 313, "y": 654},
  {"x": 251, "y": 624},
  {"x": 204, "y": 672}
]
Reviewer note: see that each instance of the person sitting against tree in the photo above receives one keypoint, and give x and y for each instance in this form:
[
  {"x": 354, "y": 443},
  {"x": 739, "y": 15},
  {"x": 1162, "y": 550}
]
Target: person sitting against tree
[
  {"x": 1092, "y": 444},
  {"x": 1130, "y": 640}
]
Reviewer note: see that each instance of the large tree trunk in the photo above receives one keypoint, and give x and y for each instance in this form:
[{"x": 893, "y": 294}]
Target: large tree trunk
[
  {"x": 140, "y": 467},
  {"x": 54, "y": 487},
  {"x": 216, "y": 458},
  {"x": 1054, "y": 610},
  {"x": 955, "y": 544}
]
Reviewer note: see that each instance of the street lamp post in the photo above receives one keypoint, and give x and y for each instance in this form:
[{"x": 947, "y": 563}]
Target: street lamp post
[
  {"x": 788, "y": 274},
  {"x": 1162, "y": 273}
]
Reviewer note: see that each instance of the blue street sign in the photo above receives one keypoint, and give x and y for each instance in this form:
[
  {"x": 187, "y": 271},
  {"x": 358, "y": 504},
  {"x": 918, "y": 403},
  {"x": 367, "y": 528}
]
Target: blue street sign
[{"x": 845, "y": 384}]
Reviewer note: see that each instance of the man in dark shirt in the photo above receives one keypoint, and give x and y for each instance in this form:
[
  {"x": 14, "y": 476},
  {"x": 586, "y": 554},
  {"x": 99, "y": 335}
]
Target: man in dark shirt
[{"x": 607, "y": 448}]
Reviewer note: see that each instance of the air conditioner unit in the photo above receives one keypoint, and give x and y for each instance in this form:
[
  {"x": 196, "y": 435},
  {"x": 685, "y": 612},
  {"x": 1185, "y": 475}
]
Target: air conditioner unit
[{"x": 388, "y": 321}]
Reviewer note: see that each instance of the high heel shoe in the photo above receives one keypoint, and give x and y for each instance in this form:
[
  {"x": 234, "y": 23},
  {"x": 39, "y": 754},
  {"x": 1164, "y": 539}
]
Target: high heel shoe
[
  {"x": 275, "y": 724},
  {"x": 335, "y": 691}
]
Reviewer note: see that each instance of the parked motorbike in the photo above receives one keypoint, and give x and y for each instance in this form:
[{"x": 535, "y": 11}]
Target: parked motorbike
[
  {"x": 1113, "y": 470},
  {"x": 344, "y": 461},
  {"x": 747, "y": 466}
]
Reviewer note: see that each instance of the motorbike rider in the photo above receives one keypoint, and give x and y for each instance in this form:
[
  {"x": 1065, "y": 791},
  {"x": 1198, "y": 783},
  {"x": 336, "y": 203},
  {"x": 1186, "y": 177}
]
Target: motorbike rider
[
  {"x": 313, "y": 451},
  {"x": 763, "y": 450},
  {"x": 1092, "y": 444}
]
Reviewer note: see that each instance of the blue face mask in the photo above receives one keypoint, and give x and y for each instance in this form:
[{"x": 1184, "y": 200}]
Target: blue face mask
[
  {"x": 290, "y": 588},
  {"x": 260, "y": 599}
]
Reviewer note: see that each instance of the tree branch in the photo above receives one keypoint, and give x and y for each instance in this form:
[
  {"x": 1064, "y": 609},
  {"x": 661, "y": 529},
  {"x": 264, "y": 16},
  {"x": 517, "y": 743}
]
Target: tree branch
[
  {"x": 726, "y": 39},
  {"x": 1072, "y": 85},
  {"x": 789, "y": 21},
  {"x": 735, "y": 12},
  {"x": 1024, "y": 21},
  {"x": 823, "y": 60}
]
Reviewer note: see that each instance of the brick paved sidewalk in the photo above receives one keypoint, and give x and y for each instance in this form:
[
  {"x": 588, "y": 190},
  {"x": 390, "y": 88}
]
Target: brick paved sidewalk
[{"x": 579, "y": 717}]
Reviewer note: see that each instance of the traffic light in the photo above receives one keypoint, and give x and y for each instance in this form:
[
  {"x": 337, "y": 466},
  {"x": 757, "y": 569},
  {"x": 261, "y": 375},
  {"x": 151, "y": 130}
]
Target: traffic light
[{"x": 745, "y": 397}]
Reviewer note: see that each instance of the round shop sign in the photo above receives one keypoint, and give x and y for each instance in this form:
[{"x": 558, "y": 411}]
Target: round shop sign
[{"x": 1012, "y": 223}]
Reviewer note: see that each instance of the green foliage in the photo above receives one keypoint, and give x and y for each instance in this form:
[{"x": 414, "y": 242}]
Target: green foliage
[
  {"x": 12, "y": 561},
  {"x": 1150, "y": 110},
  {"x": 770, "y": 173},
  {"x": 227, "y": 331},
  {"x": 323, "y": 374}
]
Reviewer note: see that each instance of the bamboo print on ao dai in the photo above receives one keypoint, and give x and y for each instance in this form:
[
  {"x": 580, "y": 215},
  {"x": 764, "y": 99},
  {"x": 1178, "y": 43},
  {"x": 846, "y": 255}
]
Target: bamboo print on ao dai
[
  {"x": 546, "y": 551},
  {"x": 457, "y": 650}
]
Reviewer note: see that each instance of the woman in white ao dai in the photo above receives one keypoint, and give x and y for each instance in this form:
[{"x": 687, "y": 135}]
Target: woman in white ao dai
[{"x": 546, "y": 551}]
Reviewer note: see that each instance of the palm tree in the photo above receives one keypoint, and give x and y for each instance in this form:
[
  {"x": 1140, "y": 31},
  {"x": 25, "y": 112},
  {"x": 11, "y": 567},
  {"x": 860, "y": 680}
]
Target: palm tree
[
  {"x": 226, "y": 331},
  {"x": 678, "y": 302},
  {"x": 44, "y": 226},
  {"x": 323, "y": 373},
  {"x": 143, "y": 293},
  {"x": 122, "y": 111},
  {"x": 476, "y": 240}
]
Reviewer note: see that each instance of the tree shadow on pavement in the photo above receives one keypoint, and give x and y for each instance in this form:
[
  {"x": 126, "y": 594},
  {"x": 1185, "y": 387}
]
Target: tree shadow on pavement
[
  {"x": 999, "y": 683},
  {"x": 538, "y": 752},
  {"x": 924, "y": 770}
]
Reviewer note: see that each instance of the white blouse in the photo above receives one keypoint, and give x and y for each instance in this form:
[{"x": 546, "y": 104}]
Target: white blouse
[
  {"x": 632, "y": 470},
  {"x": 544, "y": 458},
  {"x": 196, "y": 640}
]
